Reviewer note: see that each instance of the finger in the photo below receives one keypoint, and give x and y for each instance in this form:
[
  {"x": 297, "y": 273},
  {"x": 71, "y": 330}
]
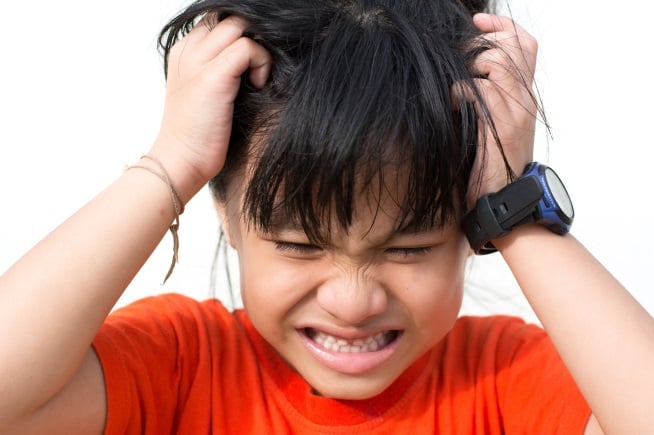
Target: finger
[
  {"x": 204, "y": 41},
  {"x": 491, "y": 92},
  {"x": 511, "y": 45},
  {"x": 197, "y": 34},
  {"x": 507, "y": 106},
  {"x": 510, "y": 54},
  {"x": 460, "y": 93},
  {"x": 500, "y": 67},
  {"x": 260, "y": 66},
  {"x": 242, "y": 55},
  {"x": 226, "y": 32},
  {"x": 491, "y": 23}
]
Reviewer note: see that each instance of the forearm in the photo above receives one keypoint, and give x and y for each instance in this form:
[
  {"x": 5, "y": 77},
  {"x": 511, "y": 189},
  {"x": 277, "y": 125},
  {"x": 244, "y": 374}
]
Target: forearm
[
  {"x": 54, "y": 299},
  {"x": 604, "y": 336}
]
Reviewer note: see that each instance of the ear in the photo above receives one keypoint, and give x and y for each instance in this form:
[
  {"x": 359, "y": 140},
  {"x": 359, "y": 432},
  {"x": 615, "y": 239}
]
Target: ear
[{"x": 225, "y": 226}]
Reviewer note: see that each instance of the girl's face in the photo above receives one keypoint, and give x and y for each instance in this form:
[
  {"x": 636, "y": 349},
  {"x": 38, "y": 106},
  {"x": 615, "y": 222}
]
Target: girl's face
[{"x": 351, "y": 316}]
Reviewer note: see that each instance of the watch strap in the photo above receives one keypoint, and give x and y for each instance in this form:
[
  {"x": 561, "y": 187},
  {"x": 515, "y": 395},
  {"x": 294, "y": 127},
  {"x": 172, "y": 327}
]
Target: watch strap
[{"x": 496, "y": 214}]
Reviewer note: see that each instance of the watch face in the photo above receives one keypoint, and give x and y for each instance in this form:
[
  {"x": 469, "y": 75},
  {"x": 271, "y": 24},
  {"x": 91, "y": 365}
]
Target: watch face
[{"x": 559, "y": 192}]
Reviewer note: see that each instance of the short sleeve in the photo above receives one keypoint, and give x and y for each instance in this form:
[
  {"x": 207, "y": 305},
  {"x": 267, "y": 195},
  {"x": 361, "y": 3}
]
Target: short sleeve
[
  {"x": 149, "y": 353},
  {"x": 508, "y": 377},
  {"x": 535, "y": 389}
]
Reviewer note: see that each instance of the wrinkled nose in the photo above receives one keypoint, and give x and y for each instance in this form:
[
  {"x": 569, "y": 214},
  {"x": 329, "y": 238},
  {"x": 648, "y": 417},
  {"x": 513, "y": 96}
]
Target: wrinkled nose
[{"x": 352, "y": 297}]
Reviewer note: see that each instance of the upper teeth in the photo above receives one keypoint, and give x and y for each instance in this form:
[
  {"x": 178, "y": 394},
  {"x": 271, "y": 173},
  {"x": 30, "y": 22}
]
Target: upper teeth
[{"x": 337, "y": 344}]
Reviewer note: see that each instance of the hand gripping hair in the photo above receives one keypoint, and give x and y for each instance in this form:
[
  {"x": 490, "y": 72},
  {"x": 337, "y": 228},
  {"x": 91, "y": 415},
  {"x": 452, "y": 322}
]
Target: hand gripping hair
[{"x": 357, "y": 87}]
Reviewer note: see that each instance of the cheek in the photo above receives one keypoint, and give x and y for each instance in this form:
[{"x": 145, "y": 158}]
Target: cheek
[
  {"x": 436, "y": 294},
  {"x": 272, "y": 288},
  {"x": 433, "y": 295}
]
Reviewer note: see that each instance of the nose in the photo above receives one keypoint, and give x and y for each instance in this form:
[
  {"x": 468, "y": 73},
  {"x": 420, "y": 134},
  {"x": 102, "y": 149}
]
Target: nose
[{"x": 352, "y": 297}]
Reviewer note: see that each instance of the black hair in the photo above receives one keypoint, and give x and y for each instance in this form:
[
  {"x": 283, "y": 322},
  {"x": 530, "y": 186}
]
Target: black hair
[{"x": 356, "y": 86}]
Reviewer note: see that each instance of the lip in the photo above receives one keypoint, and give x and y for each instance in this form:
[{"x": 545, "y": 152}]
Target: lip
[{"x": 350, "y": 363}]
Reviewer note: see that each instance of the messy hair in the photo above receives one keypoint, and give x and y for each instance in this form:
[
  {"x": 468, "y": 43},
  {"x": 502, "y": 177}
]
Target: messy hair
[{"x": 356, "y": 87}]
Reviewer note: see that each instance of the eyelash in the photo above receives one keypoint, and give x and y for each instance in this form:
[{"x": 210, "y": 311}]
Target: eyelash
[
  {"x": 301, "y": 248},
  {"x": 405, "y": 252}
]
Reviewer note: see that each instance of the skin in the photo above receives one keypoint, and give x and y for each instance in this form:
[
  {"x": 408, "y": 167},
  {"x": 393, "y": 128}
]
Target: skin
[
  {"x": 368, "y": 279},
  {"x": 603, "y": 335}
]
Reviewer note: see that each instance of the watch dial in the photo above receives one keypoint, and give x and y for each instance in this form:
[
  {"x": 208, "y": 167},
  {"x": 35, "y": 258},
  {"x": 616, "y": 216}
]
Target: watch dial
[{"x": 559, "y": 192}]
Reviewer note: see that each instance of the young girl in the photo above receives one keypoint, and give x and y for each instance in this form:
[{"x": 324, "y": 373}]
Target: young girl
[{"x": 351, "y": 146}]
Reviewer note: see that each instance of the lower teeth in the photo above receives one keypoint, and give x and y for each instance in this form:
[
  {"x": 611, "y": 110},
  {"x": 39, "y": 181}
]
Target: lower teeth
[{"x": 371, "y": 344}]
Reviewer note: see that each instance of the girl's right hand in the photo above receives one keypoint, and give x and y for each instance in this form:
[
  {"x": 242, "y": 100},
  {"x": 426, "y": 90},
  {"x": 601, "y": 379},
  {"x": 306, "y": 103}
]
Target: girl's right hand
[{"x": 204, "y": 74}]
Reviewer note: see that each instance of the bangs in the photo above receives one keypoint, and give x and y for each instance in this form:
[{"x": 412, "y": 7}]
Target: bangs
[
  {"x": 372, "y": 93},
  {"x": 356, "y": 87}
]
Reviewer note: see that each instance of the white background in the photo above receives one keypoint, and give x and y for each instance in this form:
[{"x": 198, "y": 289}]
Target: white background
[{"x": 81, "y": 91}]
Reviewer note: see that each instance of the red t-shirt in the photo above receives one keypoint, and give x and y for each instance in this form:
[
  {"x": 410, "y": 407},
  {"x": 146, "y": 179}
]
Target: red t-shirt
[{"x": 173, "y": 365}]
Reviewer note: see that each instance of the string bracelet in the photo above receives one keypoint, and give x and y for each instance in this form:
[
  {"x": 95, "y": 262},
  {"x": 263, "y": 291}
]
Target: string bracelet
[{"x": 178, "y": 206}]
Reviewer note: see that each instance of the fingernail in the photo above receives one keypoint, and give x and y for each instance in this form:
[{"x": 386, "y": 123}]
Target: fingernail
[{"x": 481, "y": 16}]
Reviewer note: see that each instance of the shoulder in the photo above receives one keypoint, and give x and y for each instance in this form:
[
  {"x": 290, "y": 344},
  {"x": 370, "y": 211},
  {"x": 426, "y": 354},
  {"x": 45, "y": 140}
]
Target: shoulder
[
  {"x": 499, "y": 333},
  {"x": 514, "y": 366},
  {"x": 171, "y": 304},
  {"x": 493, "y": 347},
  {"x": 171, "y": 323},
  {"x": 161, "y": 354},
  {"x": 170, "y": 309}
]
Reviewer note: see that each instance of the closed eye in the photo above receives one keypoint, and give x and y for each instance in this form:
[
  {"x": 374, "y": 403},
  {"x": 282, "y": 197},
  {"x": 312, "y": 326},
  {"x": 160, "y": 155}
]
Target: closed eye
[
  {"x": 413, "y": 251},
  {"x": 297, "y": 248}
]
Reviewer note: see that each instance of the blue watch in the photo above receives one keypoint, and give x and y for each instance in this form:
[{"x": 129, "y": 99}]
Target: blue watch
[{"x": 537, "y": 196}]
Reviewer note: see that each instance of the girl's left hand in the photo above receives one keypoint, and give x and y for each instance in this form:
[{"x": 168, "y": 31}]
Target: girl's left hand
[{"x": 508, "y": 71}]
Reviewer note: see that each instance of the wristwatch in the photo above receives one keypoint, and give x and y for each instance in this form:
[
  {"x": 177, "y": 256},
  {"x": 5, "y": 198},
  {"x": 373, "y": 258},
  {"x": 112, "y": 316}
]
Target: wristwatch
[{"x": 537, "y": 196}]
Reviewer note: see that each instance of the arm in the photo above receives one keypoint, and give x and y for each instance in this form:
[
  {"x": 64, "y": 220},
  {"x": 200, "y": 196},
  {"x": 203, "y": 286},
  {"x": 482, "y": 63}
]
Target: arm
[
  {"x": 605, "y": 338},
  {"x": 603, "y": 335},
  {"x": 54, "y": 299}
]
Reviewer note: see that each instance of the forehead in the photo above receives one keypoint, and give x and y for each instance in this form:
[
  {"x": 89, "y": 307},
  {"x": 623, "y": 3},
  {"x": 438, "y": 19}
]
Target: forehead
[
  {"x": 378, "y": 208},
  {"x": 321, "y": 192}
]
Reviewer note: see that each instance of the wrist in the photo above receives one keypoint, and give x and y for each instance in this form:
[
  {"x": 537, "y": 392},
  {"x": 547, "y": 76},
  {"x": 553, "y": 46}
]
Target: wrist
[
  {"x": 186, "y": 180},
  {"x": 177, "y": 204},
  {"x": 525, "y": 233},
  {"x": 538, "y": 196}
]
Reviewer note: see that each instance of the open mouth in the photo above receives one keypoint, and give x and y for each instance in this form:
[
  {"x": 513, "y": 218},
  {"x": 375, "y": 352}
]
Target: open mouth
[{"x": 333, "y": 343}]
